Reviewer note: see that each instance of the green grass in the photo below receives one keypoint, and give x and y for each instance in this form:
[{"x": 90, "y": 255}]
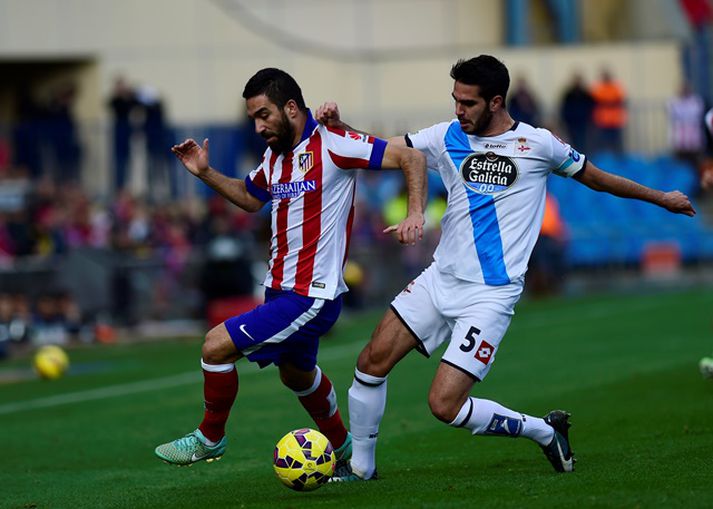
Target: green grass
[{"x": 625, "y": 366}]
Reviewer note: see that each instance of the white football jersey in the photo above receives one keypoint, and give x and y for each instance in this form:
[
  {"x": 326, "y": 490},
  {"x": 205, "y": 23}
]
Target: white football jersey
[
  {"x": 312, "y": 193},
  {"x": 496, "y": 196}
]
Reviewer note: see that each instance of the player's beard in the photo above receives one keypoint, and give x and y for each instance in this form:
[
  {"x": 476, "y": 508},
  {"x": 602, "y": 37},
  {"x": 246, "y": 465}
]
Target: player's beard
[
  {"x": 284, "y": 134},
  {"x": 483, "y": 123}
]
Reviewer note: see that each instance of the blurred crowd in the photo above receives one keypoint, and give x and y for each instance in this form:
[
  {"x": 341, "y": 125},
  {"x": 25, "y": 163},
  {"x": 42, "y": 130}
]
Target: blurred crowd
[
  {"x": 593, "y": 117},
  {"x": 55, "y": 220}
]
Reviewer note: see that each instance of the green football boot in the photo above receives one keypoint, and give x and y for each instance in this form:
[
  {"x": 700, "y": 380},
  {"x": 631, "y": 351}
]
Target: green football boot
[
  {"x": 190, "y": 449},
  {"x": 344, "y": 473},
  {"x": 344, "y": 452}
]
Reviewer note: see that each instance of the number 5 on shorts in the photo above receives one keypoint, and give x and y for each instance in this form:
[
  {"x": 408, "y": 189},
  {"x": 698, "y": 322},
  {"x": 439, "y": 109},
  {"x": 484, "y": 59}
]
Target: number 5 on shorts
[{"x": 470, "y": 339}]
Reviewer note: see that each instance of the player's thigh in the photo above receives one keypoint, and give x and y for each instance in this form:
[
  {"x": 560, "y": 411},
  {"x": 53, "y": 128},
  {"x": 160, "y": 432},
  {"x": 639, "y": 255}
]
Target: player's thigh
[
  {"x": 480, "y": 326},
  {"x": 417, "y": 309},
  {"x": 449, "y": 390},
  {"x": 390, "y": 342},
  {"x": 218, "y": 347}
]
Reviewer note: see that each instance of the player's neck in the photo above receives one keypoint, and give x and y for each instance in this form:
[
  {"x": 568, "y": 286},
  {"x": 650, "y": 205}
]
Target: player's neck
[
  {"x": 501, "y": 123},
  {"x": 300, "y": 122}
]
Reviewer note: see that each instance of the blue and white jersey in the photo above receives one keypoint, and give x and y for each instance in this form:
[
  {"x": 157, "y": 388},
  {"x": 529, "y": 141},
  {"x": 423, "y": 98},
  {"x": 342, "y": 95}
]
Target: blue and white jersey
[{"x": 496, "y": 196}]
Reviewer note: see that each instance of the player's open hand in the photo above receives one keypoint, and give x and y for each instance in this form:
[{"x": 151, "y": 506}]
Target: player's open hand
[
  {"x": 678, "y": 203},
  {"x": 328, "y": 114},
  {"x": 409, "y": 230},
  {"x": 193, "y": 156}
]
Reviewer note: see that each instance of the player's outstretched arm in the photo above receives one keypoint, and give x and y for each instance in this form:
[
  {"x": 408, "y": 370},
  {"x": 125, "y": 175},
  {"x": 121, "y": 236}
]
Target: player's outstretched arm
[
  {"x": 196, "y": 160},
  {"x": 413, "y": 164},
  {"x": 599, "y": 180},
  {"x": 328, "y": 114}
]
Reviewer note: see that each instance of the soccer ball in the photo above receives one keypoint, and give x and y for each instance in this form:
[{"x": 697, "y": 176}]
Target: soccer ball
[
  {"x": 304, "y": 460},
  {"x": 50, "y": 362}
]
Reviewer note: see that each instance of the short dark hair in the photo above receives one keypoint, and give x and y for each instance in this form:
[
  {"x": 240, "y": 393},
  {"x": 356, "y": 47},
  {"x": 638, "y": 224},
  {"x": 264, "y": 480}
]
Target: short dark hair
[
  {"x": 277, "y": 85},
  {"x": 485, "y": 71}
]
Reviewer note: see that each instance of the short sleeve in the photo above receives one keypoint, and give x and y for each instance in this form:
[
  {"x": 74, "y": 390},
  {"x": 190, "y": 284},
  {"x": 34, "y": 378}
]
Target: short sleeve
[
  {"x": 565, "y": 160},
  {"x": 430, "y": 142},
  {"x": 256, "y": 183},
  {"x": 350, "y": 150}
]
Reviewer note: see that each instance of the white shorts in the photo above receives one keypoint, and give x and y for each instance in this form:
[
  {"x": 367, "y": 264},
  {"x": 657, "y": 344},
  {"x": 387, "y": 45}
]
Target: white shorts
[{"x": 474, "y": 317}]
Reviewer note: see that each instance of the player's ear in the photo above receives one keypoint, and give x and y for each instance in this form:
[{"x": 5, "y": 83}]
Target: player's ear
[
  {"x": 496, "y": 103},
  {"x": 291, "y": 108}
]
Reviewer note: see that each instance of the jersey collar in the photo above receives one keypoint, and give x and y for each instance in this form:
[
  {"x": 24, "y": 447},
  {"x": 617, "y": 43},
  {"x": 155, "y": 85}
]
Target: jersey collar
[{"x": 310, "y": 124}]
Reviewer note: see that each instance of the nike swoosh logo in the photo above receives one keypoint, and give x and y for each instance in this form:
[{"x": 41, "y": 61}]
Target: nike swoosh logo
[
  {"x": 242, "y": 329},
  {"x": 197, "y": 457}
]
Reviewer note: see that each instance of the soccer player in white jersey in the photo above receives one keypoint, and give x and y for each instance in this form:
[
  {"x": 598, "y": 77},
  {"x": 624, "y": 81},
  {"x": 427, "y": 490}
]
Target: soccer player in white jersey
[
  {"x": 307, "y": 174},
  {"x": 495, "y": 170}
]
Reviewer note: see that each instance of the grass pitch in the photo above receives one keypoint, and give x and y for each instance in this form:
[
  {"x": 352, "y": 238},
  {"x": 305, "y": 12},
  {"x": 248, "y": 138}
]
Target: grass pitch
[{"x": 625, "y": 366}]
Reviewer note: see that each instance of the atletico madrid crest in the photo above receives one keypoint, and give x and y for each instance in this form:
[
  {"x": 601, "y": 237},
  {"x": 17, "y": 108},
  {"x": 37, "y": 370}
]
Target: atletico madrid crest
[{"x": 305, "y": 161}]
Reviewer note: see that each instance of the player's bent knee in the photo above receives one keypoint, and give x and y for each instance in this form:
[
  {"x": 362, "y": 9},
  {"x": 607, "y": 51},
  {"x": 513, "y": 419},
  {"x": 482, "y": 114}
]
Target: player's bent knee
[
  {"x": 374, "y": 360},
  {"x": 217, "y": 348},
  {"x": 442, "y": 410},
  {"x": 296, "y": 379}
]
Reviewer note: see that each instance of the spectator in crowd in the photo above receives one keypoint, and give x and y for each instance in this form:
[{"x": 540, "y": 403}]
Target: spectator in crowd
[
  {"x": 576, "y": 113},
  {"x": 547, "y": 263},
  {"x": 63, "y": 140},
  {"x": 121, "y": 104},
  {"x": 56, "y": 320},
  {"x": 685, "y": 125},
  {"x": 523, "y": 105},
  {"x": 6, "y": 247},
  {"x": 5, "y": 321},
  {"x": 18, "y": 228},
  {"x": 610, "y": 112},
  {"x": 707, "y": 167},
  {"x": 47, "y": 326},
  {"x": 161, "y": 181},
  {"x": 14, "y": 323},
  {"x": 26, "y": 134},
  {"x": 227, "y": 270}
]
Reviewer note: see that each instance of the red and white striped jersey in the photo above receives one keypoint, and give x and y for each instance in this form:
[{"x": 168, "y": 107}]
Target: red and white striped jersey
[{"x": 312, "y": 192}]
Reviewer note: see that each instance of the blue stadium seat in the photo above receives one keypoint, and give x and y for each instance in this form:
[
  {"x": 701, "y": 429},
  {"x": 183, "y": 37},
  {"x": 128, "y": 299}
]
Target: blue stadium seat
[{"x": 605, "y": 229}]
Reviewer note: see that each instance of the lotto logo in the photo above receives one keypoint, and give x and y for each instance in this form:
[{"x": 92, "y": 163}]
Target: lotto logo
[{"x": 484, "y": 352}]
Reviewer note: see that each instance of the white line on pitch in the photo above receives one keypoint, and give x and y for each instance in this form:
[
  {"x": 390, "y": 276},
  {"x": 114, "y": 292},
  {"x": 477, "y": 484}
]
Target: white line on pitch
[{"x": 155, "y": 384}]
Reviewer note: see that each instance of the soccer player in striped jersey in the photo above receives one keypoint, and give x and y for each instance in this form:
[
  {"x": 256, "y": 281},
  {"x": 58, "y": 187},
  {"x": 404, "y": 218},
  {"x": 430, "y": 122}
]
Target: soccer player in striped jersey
[
  {"x": 307, "y": 174},
  {"x": 495, "y": 170}
]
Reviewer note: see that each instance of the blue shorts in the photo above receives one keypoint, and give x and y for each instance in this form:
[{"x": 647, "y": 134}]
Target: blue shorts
[{"x": 286, "y": 328}]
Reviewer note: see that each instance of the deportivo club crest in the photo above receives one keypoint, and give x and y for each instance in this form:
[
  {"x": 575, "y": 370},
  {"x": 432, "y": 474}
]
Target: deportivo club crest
[
  {"x": 488, "y": 173},
  {"x": 305, "y": 161}
]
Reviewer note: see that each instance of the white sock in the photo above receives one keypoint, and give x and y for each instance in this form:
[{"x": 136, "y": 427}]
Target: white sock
[
  {"x": 367, "y": 401},
  {"x": 484, "y": 417}
]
